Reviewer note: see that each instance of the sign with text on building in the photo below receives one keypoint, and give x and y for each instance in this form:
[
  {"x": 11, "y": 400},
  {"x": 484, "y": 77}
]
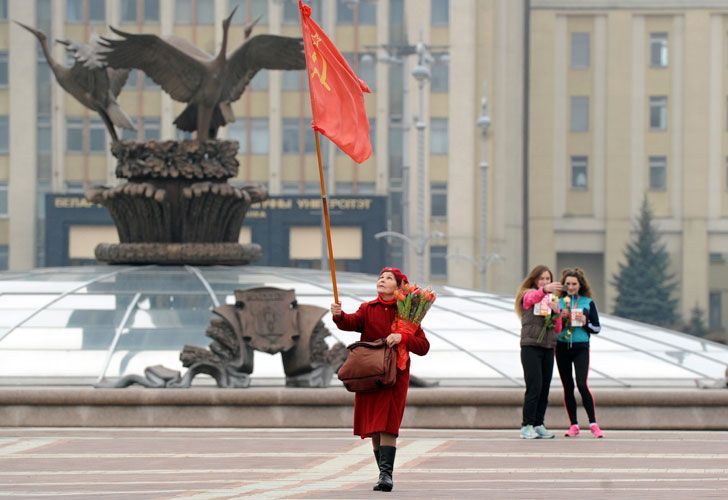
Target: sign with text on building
[{"x": 287, "y": 228}]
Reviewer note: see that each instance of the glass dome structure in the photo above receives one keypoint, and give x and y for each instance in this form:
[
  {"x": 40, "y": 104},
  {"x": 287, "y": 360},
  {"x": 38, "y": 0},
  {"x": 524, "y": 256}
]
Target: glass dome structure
[{"x": 77, "y": 325}]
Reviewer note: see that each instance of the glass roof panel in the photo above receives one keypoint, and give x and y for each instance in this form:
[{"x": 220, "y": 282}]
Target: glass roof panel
[{"x": 66, "y": 319}]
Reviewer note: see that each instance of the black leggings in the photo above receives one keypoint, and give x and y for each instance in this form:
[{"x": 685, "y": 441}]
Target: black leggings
[
  {"x": 578, "y": 355},
  {"x": 538, "y": 367}
]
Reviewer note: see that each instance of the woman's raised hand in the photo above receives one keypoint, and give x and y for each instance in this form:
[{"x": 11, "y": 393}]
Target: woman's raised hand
[
  {"x": 553, "y": 287},
  {"x": 335, "y": 309},
  {"x": 394, "y": 339}
]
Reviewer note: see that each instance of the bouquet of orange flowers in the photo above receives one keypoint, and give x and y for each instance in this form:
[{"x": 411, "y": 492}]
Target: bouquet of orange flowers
[{"x": 413, "y": 303}]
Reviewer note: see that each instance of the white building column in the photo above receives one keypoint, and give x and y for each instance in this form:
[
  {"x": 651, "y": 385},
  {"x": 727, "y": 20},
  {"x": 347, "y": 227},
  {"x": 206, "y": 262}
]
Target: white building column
[
  {"x": 22, "y": 196},
  {"x": 275, "y": 98},
  {"x": 462, "y": 202}
]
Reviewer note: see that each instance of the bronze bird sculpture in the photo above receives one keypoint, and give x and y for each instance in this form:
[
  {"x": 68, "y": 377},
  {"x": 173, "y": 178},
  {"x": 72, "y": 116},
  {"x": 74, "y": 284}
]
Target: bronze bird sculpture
[
  {"x": 89, "y": 80},
  {"x": 208, "y": 84}
]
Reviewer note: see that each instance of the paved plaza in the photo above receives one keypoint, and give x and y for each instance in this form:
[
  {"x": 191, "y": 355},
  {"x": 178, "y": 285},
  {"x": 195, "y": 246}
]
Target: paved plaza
[{"x": 156, "y": 463}]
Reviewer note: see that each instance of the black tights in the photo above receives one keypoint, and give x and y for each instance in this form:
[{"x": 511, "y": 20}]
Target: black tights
[
  {"x": 577, "y": 355},
  {"x": 538, "y": 366}
]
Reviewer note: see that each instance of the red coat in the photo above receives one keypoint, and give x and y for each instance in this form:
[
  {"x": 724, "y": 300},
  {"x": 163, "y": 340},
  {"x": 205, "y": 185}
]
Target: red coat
[{"x": 382, "y": 410}]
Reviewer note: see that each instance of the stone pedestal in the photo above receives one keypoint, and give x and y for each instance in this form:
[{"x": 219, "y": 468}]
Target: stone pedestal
[{"x": 177, "y": 206}]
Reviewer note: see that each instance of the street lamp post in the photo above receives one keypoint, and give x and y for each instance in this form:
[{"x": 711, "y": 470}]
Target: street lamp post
[
  {"x": 484, "y": 123},
  {"x": 422, "y": 74}
]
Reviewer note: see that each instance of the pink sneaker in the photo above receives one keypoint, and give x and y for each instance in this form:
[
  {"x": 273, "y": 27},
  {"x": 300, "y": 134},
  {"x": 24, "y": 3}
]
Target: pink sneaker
[
  {"x": 596, "y": 431},
  {"x": 573, "y": 431}
]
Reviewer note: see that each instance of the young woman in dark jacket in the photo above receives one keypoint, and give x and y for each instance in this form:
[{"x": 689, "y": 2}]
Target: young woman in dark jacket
[
  {"x": 378, "y": 414},
  {"x": 537, "y": 347}
]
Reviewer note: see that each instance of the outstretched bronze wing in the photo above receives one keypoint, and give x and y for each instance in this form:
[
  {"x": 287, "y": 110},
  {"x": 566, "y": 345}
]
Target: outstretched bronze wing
[
  {"x": 88, "y": 58},
  {"x": 178, "y": 73},
  {"x": 260, "y": 52}
]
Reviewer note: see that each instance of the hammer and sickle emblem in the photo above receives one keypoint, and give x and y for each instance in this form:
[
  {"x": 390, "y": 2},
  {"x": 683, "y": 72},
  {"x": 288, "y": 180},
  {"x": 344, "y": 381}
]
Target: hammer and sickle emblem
[{"x": 322, "y": 75}]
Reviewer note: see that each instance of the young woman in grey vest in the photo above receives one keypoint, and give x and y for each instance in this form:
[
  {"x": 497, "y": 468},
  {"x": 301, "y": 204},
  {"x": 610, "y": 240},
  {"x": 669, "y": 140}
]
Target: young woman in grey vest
[{"x": 538, "y": 307}]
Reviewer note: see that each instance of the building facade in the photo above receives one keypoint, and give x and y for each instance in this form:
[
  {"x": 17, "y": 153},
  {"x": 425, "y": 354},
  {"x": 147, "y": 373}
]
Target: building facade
[
  {"x": 628, "y": 100},
  {"x": 426, "y": 143},
  {"x": 593, "y": 106}
]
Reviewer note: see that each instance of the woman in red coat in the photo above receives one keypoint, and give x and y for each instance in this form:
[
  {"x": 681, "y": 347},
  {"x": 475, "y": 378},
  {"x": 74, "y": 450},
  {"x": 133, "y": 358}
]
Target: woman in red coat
[{"x": 378, "y": 414}]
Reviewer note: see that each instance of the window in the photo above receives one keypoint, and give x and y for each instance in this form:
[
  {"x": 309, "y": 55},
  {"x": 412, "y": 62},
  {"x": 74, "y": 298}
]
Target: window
[
  {"x": 579, "y": 173},
  {"x": 260, "y": 80},
  {"x": 43, "y": 88},
  {"x": 580, "y": 50},
  {"x": 293, "y": 81},
  {"x": 4, "y": 135},
  {"x": 344, "y": 188},
  {"x": 658, "y": 173},
  {"x": 44, "y": 156},
  {"x": 4, "y": 10},
  {"x": 132, "y": 81},
  {"x": 3, "y": 199},
  {"x": 658, "y": 50},
  {"x": 715, "y": 313},
  {"x": 183, "y": 11},
  {"x": 151, "y": 128},
  {"x": 74, "y": 135},
  {"x": 438, "y": 261},
  {"x": 294, "y": 133},
  {"x": 151, "y": 10},
  {"x": 291, "y": 14},
  {"x": 74, "y": 11},
  {"x": 73, "y": 187},
  {"x": 368, "y": 69},
  {"x": 238, "y": 131},
  {"x": 129, "y": 10},
  {"x": 440, "y": 71},
  {"x": 96, "y": 135},
  {"x": 97, "y": 10},
  {"x": 258, "y": 8},
  {"x": 149, "y": 84},
  {"x": 396, "y": 146},
  {"x": 3, "y": 257},
  {"x": 294, "y": 187},
  {"x": 131, "y": 135},
  {"x": 4, "y": 68},
  {"x": 345, "y": 12},
  {"x": 438, "y": 199},
  {"x": 205, "y": 11},
  {"x": 440, "y": 12},
  {"x": 579, "y": 113},
  {"x": 658, "y": 112},
  {"x": 182, "y": 135},
  {"x": 438, "y": 136}
]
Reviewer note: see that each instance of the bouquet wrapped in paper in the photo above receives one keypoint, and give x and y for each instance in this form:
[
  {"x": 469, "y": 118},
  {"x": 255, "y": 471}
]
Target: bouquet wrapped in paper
[
  {"x": 547, "y": 306},
  {"x": 413, "y": 303}
]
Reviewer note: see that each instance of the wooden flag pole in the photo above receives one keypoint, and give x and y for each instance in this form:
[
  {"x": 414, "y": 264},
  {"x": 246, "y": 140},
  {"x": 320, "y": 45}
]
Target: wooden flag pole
[{"x": 325, "y": 207}]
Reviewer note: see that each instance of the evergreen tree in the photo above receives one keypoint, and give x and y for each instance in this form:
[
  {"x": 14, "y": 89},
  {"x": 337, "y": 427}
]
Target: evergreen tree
[
  {"x": 696, "y": 326},
  {"x": 645, "y": 290}
]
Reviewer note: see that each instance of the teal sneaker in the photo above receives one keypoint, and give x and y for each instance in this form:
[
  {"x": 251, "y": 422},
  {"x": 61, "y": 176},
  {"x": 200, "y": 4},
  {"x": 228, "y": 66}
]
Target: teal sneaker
[
  {"x": 528, "y": 432},
  {"x": 543, "y": 433}
]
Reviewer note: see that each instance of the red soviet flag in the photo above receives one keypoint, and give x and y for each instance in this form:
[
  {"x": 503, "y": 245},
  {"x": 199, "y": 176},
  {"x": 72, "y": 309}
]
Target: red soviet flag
[{"x": 337, "y": 94}]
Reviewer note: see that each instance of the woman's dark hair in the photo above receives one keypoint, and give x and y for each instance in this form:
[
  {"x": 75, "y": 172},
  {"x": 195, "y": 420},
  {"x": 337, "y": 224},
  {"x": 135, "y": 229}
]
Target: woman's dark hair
[{"x": 584, "y": 288}]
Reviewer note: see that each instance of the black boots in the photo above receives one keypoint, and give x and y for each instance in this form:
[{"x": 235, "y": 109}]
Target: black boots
[
  {"x": 376, "y": 457},
  {"x": 386, "y": 467}
]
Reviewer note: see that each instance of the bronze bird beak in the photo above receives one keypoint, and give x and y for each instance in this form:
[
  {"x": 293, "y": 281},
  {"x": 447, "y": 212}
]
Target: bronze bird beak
[
  {"x": 230, "y": 17},
  {"x": 38, "y": 34}
]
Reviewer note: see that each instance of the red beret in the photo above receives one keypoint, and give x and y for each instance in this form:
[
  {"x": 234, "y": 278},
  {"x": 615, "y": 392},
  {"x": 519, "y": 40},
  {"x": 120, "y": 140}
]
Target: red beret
[{"x": 398, "y": 275}]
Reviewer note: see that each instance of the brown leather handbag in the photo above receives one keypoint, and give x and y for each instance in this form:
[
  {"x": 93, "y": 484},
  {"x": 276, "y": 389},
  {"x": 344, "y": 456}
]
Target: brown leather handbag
[{"x": 370, "y": 366}]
